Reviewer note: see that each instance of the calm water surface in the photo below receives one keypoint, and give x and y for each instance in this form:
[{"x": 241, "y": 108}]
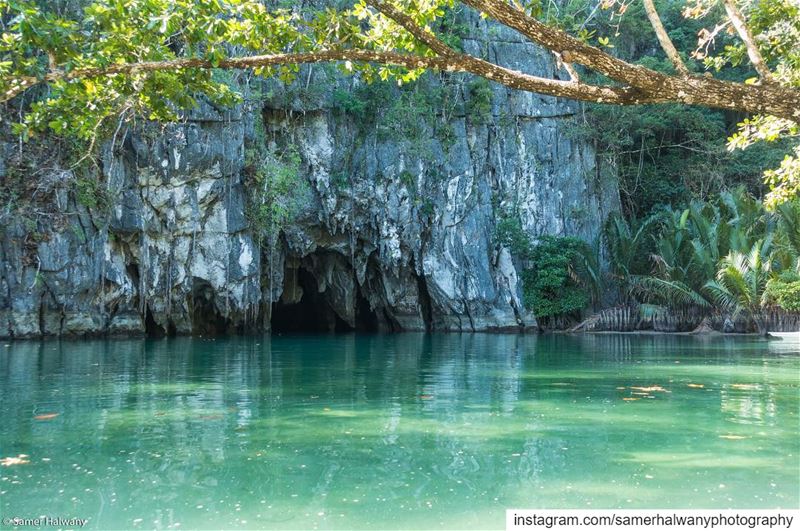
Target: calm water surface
[{"x": 395, "y": 431}]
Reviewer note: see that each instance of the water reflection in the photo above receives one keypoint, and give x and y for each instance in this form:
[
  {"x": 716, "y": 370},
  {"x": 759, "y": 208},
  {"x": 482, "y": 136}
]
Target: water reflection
[{"x": 394, "y": 430}]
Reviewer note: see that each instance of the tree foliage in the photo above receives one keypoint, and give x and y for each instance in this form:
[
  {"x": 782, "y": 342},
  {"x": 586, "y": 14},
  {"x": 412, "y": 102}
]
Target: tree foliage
[
  {"x": 741, "y": 283},
  {"x": 784, "y": 292},
  {"x": 555, "y": 284},
  {"x": 151, "y": 58}
]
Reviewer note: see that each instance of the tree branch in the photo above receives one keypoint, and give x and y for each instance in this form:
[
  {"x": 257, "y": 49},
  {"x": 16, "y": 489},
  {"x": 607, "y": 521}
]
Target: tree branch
[
  {"x": 737, "y": 19},
  {"x": 435, "y": 44},
  {"x": 663, "y": 38},
  {"x": 572, "y": 50},
  {"x": 460, "y": 63},
  {"x": 642, "y": 85},
  {"x": 783, "y": 102},
  {"x": 560, "y": 63}
]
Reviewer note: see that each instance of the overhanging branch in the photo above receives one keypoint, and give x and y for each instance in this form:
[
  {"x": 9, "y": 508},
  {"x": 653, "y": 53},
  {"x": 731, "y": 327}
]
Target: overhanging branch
[
  {"x": 462, "y": 63},
  {"x": 640, "y": 85},
  {"x": 572, "y": 50},
  {"x": 652, "y": 86}
]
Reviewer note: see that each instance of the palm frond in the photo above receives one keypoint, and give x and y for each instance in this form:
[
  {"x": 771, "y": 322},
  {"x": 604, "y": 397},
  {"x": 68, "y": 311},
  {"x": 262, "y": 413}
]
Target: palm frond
[
  {"x": 722, "y": 297},
  {"x": 673, "y": 293},
  {"x": 788, "y": 214}
]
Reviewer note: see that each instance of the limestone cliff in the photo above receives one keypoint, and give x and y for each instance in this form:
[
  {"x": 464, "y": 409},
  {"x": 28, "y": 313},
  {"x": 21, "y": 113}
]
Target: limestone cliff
[{"x": 392, "y": 233}]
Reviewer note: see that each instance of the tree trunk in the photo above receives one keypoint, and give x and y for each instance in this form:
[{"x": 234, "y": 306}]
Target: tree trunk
[{"x": 761, "y": 324}]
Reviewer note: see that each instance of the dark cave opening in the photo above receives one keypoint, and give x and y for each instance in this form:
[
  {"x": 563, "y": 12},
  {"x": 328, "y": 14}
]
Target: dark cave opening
[
  {"x": 133, "y": 272},
  {"x": 206, "y": 319},
  {"x": 313, "y": 314},
  {"x": 366, "y": 318},
  {"x": 151, "y": 327},
  {"x": 425, "y": 302}
]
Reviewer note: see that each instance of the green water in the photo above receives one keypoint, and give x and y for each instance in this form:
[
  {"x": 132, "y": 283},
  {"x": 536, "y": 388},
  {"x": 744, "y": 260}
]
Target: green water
[{"x": 395, "y": 431}]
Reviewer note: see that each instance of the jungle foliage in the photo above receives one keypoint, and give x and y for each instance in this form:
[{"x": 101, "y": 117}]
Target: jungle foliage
[{"x": 729, "y": 254}]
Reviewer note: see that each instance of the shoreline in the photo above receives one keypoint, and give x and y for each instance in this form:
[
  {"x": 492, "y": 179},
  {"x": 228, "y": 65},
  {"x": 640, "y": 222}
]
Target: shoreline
[
  {"x": 711, "y": 333},
  {"x": 772, "y": 336}
]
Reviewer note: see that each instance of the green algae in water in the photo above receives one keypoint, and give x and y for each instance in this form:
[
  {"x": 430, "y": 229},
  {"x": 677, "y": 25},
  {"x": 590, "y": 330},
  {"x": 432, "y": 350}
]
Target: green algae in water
[{"x": 395, "y": 431}]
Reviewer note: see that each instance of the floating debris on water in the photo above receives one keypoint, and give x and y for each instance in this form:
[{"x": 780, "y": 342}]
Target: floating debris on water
[
  {"x": 46, "y": 416},
  {"x": 21, "y": 459}
]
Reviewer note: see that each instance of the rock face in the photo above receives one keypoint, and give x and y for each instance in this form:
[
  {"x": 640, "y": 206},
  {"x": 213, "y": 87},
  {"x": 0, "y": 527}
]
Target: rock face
[{"x": 395, "y": 229}]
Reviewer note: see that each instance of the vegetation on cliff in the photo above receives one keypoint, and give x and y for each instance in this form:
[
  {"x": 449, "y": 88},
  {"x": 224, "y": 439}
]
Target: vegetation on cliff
[{"x": 561, "y": 275}]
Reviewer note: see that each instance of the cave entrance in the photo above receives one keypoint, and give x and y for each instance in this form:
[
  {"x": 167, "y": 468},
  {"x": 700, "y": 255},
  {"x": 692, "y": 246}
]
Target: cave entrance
[
  {"x": 366, "y": 318},
  {"x": 206, "y": 319},
  {"x": 151, "y": 327},
  {"x": 307, "y": 310},
  {"x": 425, "y": 303}
]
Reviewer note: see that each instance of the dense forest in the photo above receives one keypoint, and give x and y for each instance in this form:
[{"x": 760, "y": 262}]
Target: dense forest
[{"x": 708, "y": 229}]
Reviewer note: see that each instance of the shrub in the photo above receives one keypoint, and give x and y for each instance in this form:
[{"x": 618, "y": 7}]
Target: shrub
[
  {"x": 509, "y": 233},
  {"x": 560, "y": 275},
  {"x": 784, "y": 292},
  {"x": 552, "y": 286},
  {"x": 479, "y": 104}
]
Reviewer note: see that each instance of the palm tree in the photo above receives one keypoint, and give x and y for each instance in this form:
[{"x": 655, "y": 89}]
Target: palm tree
[
  {"x": 741, "y": 283},
  {"x": 710, "y": 237},
  {"x": 627, "y": 243},
  {"x": 787, "y": 235},
  {"x": 670, "y": 293},
  {"x": 680, "y": 262},
  {"x": 586, "y": 271},
  {"x": 745, "y": 215}
]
